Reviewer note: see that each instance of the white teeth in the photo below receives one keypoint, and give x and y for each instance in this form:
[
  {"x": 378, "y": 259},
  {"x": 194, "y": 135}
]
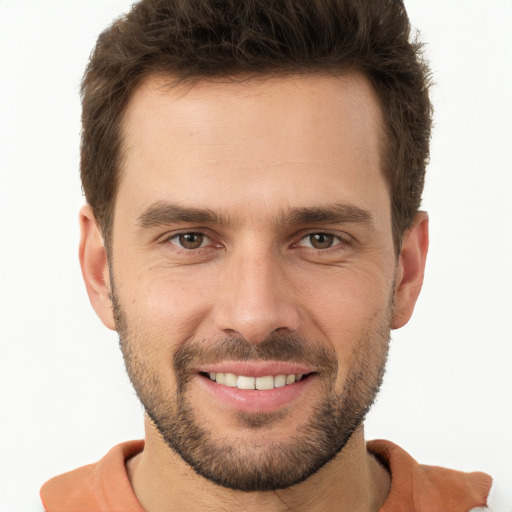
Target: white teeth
[
  {"x": 230, "y": 380},
  {"x": 244, "y": 382},
  {"x": 279, "y": 381},
  {"x": 290, "y": 379},
  {"x": 261, "y": 383},
  {"x": 264, "y": 383}
]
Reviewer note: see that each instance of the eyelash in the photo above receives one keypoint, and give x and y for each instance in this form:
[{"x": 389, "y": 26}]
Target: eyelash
[
  {"x": 337, "y": 241},
  {"x": 168, "y": 240}
]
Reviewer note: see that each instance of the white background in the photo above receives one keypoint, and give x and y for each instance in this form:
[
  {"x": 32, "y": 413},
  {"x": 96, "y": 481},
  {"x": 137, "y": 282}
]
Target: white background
[{"x": 65, "y": 399}]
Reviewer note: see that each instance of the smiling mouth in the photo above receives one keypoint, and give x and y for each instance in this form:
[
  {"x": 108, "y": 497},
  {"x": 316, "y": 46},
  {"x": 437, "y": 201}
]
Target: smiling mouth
[{"x": 263, "y": 383}]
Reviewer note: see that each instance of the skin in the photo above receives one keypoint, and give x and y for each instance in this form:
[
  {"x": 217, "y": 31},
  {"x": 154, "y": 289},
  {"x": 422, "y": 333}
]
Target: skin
[{"x": 251, "y": 151}]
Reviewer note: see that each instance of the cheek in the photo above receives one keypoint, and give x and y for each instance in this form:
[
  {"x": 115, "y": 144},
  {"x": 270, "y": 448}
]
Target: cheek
[
  {"x": 350, "y": 311},
  {"x": 162, "y": 309},
  {"x": 347, "y": 299}
]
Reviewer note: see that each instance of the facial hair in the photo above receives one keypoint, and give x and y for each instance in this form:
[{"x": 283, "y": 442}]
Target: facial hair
[{"x": 261, "y": 463}]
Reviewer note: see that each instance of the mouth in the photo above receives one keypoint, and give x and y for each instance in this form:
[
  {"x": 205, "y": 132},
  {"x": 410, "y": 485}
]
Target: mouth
[
  {"x": 256, "y": 387},
  {"x": 262, "y": 383}
]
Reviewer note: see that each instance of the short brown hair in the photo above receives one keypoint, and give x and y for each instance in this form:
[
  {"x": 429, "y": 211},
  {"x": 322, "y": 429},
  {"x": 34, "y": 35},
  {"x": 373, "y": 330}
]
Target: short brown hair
[{"x": 195, "y": 39}]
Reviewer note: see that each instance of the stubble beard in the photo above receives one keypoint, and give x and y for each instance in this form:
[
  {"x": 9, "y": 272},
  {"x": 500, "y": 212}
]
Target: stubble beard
[{"x": 261, "y": 464}]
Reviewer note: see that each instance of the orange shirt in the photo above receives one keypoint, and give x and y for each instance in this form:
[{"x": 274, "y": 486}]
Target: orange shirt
[{"x": 105, "y": 487}]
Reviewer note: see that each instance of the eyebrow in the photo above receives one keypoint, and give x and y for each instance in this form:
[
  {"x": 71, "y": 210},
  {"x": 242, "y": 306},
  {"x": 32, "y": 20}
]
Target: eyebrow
[
  {"x": 339, "y": 213},
  {"x": 164, "y": 213}
]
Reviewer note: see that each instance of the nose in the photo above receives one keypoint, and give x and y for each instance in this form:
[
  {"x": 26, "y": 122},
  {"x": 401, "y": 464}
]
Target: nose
[{"x": 255, "y": 298}]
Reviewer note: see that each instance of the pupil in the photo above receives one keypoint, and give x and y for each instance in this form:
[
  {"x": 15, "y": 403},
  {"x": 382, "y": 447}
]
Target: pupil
[
  {"x": 321, "y": 241},
  {"x": 191, "y": 240}
]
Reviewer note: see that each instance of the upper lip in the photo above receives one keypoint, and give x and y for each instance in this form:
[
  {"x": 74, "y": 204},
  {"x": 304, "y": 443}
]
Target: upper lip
[{"x": 256, "y": 368}]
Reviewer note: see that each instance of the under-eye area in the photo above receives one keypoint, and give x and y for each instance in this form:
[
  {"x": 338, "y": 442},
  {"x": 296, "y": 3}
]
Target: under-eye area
[{"x": 262, "y": 383}]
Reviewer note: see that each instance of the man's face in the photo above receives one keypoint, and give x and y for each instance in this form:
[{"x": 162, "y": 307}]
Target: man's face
[{"x": 252, "y": 245}]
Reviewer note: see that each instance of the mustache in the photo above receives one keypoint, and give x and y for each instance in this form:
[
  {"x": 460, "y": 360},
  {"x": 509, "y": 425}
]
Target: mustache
[{"x": 277, "y": 347}]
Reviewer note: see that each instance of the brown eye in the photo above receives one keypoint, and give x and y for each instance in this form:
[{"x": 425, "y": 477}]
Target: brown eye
[
  {"x": 320, "y": 241},
  {"x": 190, "y": 240}
]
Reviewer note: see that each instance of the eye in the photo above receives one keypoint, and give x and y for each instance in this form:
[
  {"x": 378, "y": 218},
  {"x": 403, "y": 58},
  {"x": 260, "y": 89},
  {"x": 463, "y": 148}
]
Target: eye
[
  {"x": 320, "y": 241},
  {"x": 189, "y": 240}
]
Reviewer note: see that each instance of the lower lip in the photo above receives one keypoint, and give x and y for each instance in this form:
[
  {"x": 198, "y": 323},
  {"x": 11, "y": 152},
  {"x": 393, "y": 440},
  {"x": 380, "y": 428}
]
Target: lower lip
[{"x": 253, "y": 400}]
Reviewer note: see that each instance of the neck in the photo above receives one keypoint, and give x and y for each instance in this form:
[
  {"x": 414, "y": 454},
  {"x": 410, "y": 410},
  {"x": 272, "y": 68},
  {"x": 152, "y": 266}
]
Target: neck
[{"x": 353, "y": 481}]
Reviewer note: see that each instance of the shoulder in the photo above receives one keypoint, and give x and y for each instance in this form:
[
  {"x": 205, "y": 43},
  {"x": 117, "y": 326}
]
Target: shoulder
[
  {"x": 417, "y": 486},
  {"x": 69, "y": 490},
  {"x": 98, "y": 486}
]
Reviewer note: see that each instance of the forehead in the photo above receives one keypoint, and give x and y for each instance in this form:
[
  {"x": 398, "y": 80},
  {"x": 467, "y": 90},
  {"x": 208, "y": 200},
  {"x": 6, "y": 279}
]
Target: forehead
[{"x": 298, "y": 139}]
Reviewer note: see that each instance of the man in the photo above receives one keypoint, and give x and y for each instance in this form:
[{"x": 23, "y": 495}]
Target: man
[{"x": 253, "y": 174}]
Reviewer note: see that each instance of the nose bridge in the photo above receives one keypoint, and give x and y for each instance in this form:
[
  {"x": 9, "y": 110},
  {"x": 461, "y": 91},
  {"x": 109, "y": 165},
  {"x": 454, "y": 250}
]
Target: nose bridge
[{"x": 255, "y": 299}]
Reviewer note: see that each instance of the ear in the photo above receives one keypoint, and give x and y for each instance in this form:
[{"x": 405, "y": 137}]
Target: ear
[
  {"x": 95, "y": 271},
  {"x": 410, "y": 270}
]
